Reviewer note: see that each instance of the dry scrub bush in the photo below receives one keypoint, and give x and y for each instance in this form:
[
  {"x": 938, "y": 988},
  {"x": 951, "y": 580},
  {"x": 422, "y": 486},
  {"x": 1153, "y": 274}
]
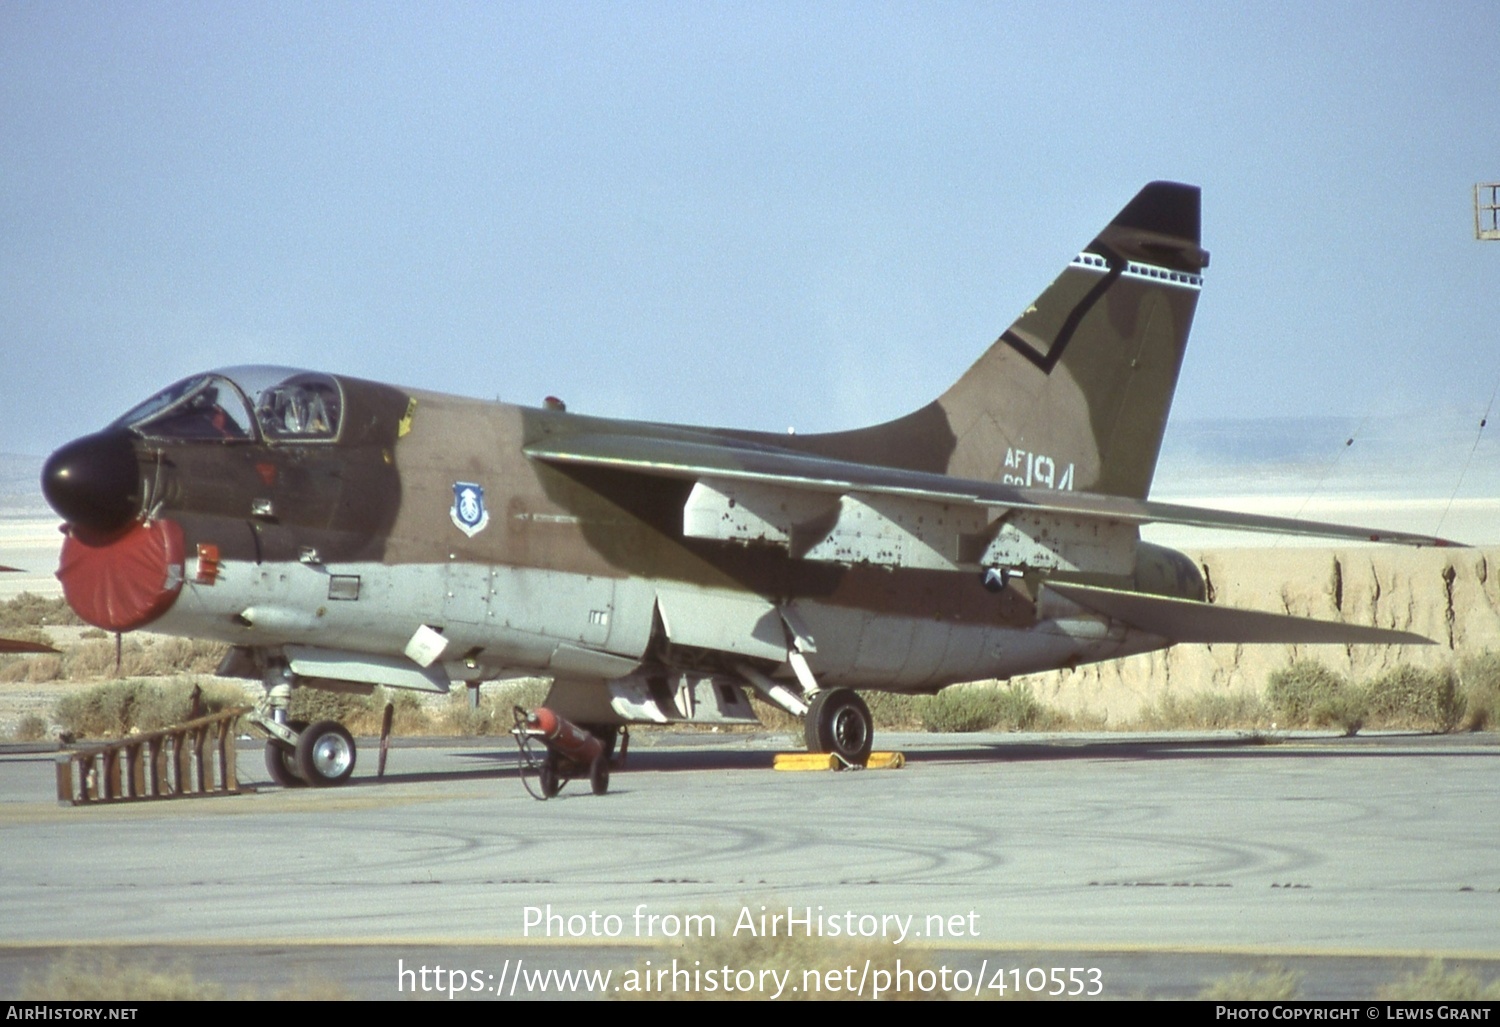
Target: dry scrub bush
[
  {"x": 980, "y": 708},
  {"x": 1479, "y": 676},
  {"x": 893, "y": 711},
  {"x": 363, "y": 713},
  {"x": 31, "y": 610},
  {"x": 103, "y": 978},
  {"x": 1204, "y": 711},
  {"x": 30, "y": 667},
  {"x": 1276, "y": 984},
  {"x": 94, "y": 657},
  {"x": 30, "y": 728},
  {"x": 1407, "y": 696},
  {"x": 41, "y": 667},
  {"x": 495, "y": 714},
  {"x": 1307, "y": 694},
  {"x": 1437, "y": 984},
  {"x": 116, "y": 708}
]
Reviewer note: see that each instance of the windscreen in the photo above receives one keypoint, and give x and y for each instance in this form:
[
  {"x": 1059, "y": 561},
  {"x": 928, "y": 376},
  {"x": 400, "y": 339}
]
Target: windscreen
[{"x": 240, "y": 404}]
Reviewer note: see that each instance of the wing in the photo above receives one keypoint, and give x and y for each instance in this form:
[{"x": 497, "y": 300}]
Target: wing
[{"x": 819, "y": 508}]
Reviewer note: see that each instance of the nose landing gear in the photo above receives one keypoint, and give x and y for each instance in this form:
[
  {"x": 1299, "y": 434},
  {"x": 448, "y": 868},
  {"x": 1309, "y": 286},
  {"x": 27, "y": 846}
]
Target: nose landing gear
[{"x": 323, "y": 755}]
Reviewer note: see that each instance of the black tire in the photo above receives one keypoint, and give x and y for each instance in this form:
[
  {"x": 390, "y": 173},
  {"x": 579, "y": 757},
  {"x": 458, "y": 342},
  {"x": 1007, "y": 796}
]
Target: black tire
[
  {"x": 838, "y": 721},
  {"x": 326, "y": 754},
  {"x": 547, "y": 778},
  {"x": 281, "y": 759},
  {"x": 599, "y": 774}
]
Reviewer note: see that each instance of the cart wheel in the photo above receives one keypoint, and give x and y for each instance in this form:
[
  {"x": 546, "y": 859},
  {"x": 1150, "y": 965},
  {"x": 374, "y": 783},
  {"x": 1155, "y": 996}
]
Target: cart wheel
[{"x": 548, "y": 779}]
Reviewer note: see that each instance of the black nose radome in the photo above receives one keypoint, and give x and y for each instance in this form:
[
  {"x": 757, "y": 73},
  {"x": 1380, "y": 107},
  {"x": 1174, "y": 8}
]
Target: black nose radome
[{"x": 94, "y": 481}]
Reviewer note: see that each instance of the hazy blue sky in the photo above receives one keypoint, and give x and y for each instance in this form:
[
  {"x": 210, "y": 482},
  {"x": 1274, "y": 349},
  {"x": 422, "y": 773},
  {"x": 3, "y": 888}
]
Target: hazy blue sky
[{"x": 761, "y": 214}]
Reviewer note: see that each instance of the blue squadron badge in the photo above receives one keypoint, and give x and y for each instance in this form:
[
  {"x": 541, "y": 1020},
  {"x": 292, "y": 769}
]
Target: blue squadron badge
[{"x": 468, "y": 510}]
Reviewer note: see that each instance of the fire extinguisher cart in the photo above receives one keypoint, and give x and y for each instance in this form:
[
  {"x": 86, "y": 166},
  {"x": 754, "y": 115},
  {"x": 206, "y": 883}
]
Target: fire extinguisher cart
[{"x": 567, "y": 751}]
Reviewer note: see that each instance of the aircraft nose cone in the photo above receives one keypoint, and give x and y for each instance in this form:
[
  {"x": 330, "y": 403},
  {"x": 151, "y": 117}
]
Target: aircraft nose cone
[{"x": 94, "y": 481}]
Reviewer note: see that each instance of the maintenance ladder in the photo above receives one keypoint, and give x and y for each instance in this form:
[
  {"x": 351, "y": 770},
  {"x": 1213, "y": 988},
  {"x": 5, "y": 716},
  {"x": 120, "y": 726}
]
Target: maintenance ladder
[{"x": 191, "y": 759}]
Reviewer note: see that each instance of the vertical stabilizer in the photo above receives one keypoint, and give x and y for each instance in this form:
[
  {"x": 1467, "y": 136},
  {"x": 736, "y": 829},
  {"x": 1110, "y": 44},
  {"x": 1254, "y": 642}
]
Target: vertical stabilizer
[{"x": 1075, "y": 393}]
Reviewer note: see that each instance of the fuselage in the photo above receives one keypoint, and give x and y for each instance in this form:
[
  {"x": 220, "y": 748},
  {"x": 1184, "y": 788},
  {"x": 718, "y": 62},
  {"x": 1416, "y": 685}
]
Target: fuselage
[{"x": 330, "y": 514}]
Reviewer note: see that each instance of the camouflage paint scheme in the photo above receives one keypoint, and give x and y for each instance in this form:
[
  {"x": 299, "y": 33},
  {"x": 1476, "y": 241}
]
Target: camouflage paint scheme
[{"x": 659, "y": 571}]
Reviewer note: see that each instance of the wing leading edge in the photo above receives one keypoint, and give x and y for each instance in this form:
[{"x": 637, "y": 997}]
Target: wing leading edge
[{"x": 818, "y": 507}]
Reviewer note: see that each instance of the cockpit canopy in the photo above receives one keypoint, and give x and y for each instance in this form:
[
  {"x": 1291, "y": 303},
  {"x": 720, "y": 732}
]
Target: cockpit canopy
[{"x": 242, "y": 404}]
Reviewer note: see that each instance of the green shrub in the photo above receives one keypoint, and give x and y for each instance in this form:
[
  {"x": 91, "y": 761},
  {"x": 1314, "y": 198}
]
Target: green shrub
[
  {"x": 982, "y": 708},
  {"x": 895, "y": 711},
  {"x": 1409, "y": 697},
  {"x": 1306, "y": 693},
  {"x": 1479, "y": 679}
]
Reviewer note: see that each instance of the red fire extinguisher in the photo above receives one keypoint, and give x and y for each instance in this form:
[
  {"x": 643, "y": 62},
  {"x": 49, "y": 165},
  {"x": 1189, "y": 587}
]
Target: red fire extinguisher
[{"x": 571, "y": 752}]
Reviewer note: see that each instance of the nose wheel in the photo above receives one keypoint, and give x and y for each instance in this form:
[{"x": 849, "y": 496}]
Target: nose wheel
[
  {"x": 839, "y": 722},
  {"x": 324, "y": 755}
]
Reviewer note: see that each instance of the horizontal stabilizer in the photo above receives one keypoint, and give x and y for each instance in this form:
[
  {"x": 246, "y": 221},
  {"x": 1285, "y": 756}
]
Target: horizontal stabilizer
[{"x": 1184, "y": 620}]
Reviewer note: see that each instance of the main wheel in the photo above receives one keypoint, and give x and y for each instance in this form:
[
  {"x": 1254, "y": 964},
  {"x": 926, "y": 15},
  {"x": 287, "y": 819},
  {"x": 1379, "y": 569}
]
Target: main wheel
[
  {"x": 281, "y": 759},
  {"x": 838, "y": 721},
  {"x": 547, "y": 778},
  {"x": 599, "y": 774},
  {"x": 325, "y": 754}
]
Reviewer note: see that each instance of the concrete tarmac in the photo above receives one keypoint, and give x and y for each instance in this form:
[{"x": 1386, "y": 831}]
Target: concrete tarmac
[{"x": 1165, "y": 861}]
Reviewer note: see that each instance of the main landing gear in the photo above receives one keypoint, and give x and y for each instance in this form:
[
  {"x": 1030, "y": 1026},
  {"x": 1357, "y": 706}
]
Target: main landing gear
[
  {"x": 323, "y": 755},
  {"x": 834, "y": 720},
  {"x": 839, "y": 722}
]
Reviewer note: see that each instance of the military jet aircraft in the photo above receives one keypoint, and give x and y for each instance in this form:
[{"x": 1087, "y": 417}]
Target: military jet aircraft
[{"x": 343, "y": 534}]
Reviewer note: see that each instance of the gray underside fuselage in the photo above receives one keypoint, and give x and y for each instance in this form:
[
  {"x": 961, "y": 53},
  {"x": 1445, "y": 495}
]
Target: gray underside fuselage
[{"x": 353, "y": 622}]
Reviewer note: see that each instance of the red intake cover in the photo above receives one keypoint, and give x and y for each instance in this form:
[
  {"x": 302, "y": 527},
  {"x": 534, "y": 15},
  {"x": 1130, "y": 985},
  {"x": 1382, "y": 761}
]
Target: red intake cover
[{"x": 124, "y": 581}]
